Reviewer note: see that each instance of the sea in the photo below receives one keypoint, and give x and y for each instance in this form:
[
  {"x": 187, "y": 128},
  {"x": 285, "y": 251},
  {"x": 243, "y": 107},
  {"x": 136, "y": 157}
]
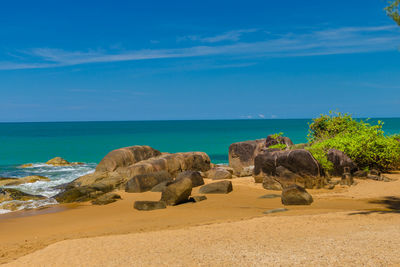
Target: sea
[{"x": 89, "y": 142}]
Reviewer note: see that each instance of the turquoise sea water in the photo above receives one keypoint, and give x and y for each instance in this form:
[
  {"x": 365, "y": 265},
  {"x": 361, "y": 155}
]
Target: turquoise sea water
[{"x": 89, "y": 142}]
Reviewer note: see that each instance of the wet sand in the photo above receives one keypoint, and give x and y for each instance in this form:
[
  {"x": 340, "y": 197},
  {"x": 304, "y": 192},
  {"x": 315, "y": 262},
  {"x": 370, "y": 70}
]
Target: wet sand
[{"x": 357, "y": 225}]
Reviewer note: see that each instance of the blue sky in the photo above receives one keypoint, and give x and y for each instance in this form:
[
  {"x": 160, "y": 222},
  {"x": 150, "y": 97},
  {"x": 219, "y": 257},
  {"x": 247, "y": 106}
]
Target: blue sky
[{"x": 163, "y": 60}]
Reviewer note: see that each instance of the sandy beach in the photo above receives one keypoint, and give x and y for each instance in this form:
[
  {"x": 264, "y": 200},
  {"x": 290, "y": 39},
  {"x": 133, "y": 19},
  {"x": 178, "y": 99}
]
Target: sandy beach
[{"x": 348, "y": 225}]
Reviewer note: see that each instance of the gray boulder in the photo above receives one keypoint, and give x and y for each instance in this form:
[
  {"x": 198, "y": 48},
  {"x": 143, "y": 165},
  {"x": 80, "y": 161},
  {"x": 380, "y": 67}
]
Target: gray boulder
[
  {"x": 296, "y": 195},
  {"x": 149, "y": 205},
  {"x": 222, "y": 187},
  {"x": 145, "y": 182},
  {"x": 177, "y": 192},
  {"x": 195, "y": 176}
]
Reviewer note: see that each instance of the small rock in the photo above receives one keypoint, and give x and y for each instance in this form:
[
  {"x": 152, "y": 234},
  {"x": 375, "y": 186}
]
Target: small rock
[
  {"x": 270, "y": 196},
  {"x": 198, "y": 198},
  {"x": 219, "y": 173},
  {"x": 58, "y": 161},
  {"x": 222, "y": 187},
  {"x": 197, "y": 179},
  {"x": 296, "y": 195},
  {"x": 360, "y": 174},
  {"x": 275, "y": 211},
  {"x": 270, "y": 183},
  {"x": 149, "y": 205},
  {"x": 247, "y": 171},
  {"x": 177, "y": 192},
  {"x": 330, "y": 186},
  {"x": 106, "y": 199},
  {"x": 28, "y": 165},
  {"x": 145, "y": 182},
  {"x": 375, "y": 172}
]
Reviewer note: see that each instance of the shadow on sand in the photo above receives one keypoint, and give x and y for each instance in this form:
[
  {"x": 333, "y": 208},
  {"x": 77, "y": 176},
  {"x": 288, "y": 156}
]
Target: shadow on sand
[{"x": 391, "y": 205}]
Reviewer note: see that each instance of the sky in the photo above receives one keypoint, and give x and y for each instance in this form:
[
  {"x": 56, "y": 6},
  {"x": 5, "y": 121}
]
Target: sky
[{"x": 182, "y": 60}]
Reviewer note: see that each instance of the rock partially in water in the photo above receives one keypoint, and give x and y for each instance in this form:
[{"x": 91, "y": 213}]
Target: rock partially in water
[
  {"x": 24, "y": 180},
  {"x": 10, "y": 194}
]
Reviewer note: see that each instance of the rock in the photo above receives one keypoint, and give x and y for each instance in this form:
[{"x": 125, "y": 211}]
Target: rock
[
  {"x": 198, "y": 198},
  {"x": 272, "y": 140},
  {"x": 270, "y": 196},
  {"x": 126, "y": 156},
  {"x": 160, "y": 187},
  {"x": 347, "y": 179},
  {"x": 120, "y": 166},
  {"x": 177, "y": 192},
  {"x": 145, "y": 182},
  {"x": 375, "y": 172},
  {"x": 330, "y": 186},
  {"x": 9, "y": 194},
  {"x": 270, "y": 183},
  {"x": 289, "y": 167},
  {"x": 222, "y": 187},
  {"x": 28, "y": 165},
  {"x": 172, "y": 163},
  {"x": 219, "y": 173},
  {"x": 195, "y": 176},
  {"x": 149, "y": 205},
  {"x": 360, "y": 174},
  {"x": 296, "y": 195},
  {"x": 24, "y": 180},
  {"x": 58, "y": 161},
  {"x": 340, "y": 161},
  {"x": 374, "y": 177},
  {"x": 82, "y": 193},
  {"x": 247, "y": 171},
  {"x": 242, "y": 154},
  {"x": 274, "y": 211},
  {"x": 106, "y": 199}
]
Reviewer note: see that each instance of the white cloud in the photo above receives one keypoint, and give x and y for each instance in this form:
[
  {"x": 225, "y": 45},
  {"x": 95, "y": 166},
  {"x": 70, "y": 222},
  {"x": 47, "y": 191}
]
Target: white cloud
[{"x": 346, "y": 40}]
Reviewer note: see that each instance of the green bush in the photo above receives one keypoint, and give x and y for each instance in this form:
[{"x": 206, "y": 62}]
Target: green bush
[
  {"x": 365, "y": 144},
  {"x": 279, "y": 146}
]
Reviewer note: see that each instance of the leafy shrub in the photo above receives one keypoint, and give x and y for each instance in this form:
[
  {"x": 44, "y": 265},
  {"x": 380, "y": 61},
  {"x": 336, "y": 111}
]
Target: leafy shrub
[
  {"x": 364, "y": 143},
  {"x": 279, "y": 146}
]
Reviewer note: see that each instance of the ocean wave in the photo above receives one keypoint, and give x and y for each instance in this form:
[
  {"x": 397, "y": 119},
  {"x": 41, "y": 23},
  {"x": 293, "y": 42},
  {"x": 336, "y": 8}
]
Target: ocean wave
[
  {"x": 58, "y": 175},
  {"x": 17, "y": 205}
]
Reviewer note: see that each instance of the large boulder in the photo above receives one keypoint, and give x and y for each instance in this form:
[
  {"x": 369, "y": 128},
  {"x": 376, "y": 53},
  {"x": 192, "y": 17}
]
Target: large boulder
[
  {"x": 24, "y": 180},
  {"x": 126, "y": 156},
  {"x": 145, "y": 182},
  {"x": 289, "y": 167},
  {"x": 177, "y": 192},
  {"x": 195, "y": 176},
  {"x": 276, "y": 140},
  {"x": 340, "y": 161},
  {"x": 242, "y": 154},
  {"x": 296, "y": 195},
  {"x": 222, "y": 187},
  {"x": 172, "y": 163},
  {"x": 219, "y": 173}
]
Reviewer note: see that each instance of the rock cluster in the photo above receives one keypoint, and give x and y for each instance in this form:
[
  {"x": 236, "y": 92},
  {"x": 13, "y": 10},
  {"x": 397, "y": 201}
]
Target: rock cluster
[
  {"x": 24, "y": 180},
  {"x": 137, "y": 169},
  {"x": 279, "y": 169}
]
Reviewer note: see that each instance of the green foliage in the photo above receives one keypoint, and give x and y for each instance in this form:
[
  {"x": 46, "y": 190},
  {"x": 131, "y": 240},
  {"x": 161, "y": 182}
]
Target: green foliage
[
  {"x": 392, "y": 10},
  {"x": 364, "y": 143},
  {"x": 279, "y": 146},
  {"x": 277, "y": 135},
  {"x": 320, "y": 154}
]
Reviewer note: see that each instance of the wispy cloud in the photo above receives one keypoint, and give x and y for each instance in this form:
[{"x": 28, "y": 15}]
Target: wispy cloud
[
  {"x": 233, "y": 36},
  {"x": 345, "y": 40}
]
